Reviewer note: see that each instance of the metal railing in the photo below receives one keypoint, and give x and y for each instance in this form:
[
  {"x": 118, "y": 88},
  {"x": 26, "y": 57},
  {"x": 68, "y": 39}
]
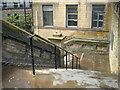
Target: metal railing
[{"x": 74, "y": 57}]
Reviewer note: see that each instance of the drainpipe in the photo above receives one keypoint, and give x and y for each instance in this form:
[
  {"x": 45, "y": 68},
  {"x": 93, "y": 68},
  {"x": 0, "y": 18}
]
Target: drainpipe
[
  {"x": 119, "y": 44},
  {"x": 25, "y": 15},
  {"x": 36, "y": 22},
  {"x": 32, "y": 17}
]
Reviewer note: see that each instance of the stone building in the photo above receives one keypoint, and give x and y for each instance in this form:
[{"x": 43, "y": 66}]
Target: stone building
[
  {"x": 86, "y": 28},
  {"x": 11, "y": 7},
  {"x": 91, "y": 19}
]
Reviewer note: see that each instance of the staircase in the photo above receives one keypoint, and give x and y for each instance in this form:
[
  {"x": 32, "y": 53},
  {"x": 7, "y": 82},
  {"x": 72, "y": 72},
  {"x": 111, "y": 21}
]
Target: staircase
[{"x": 21, "y": 48}]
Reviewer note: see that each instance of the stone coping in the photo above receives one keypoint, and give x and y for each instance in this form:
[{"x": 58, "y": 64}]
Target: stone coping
[{"x": 86, "y": 40}]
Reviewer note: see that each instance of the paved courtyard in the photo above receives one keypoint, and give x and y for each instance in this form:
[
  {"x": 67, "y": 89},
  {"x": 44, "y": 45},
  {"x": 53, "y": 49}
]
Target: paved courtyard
[{"x": 21, "y": 77}]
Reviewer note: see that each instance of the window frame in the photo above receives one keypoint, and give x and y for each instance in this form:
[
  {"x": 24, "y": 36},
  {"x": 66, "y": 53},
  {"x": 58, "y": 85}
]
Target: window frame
[
  {"x": 67, "y": 15},
  {"x": 4, "y": 4},
  {"x": 43, "y": 16},
  {"x": 98, "y": 15}
]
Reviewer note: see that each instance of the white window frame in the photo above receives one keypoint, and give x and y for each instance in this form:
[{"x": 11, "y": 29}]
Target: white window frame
[
  {"x": 97, "y": 20},
  {"x": 67, "y": 19},
  {"x": 43, "y": 14}
]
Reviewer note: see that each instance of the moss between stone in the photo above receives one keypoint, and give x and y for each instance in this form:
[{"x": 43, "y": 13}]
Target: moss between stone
[{"x": 22, "y": 31}]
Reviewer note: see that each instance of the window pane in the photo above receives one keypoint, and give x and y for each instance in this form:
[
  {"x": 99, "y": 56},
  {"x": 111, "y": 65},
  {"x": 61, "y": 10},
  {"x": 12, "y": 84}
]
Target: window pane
[
  {"x": 100, "y": 24},
  {"x": 48, "y": 8},
  {"x": 95, "y": 16},
  {"x": 4, "y": 4},
  {"x": 101, "y": 17},
  {"x": 72, "y": 16},
  {"x": 21, "y": 5},
  {"x": 48, "y": 18},
  {"x": 48, "y": 15},
  {"x": 72, "y": 23},
  {"x": 30, "y": 4},
  {"x": 94, "y": 23},
  {"x": 72, "y": 8},
  {"x": 15, "y": 4}
]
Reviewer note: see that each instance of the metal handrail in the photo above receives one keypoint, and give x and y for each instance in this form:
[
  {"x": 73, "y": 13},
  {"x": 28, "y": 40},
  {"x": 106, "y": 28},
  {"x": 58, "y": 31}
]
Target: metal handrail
[{"x": 73, "y": 56}]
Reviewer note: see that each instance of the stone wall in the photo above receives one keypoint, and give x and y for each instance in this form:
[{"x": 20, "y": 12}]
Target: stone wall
[
  {"x": 16, "y": 48},
  {"x": 94, "y": 54},
  {"x": 114, "y": 40},
  {"x": 98, "y": 62}
]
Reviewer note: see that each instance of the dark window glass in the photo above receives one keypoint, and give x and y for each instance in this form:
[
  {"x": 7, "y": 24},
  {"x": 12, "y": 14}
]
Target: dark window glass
[
  {"x": 4, "y": 4},
  {"x": 15, "y": 4},
  {"x": 72, "y": 15},
  {"x": 72, "y": 23},
  {"x": 95, "y": 17},
  {"x": 21, "y": 5},
  {"x": 98, "y": 16},
  {"x": 30, "y": 4},
  {"x": 100, "y": 24},
  {"x": 48, "y": 15},
  {"x": 101, "y": 17},
  {"x": 94, "y": 23}
]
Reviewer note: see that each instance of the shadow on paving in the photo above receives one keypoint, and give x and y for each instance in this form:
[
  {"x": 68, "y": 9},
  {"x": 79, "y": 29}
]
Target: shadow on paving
[{"x": 21, "y": 77}]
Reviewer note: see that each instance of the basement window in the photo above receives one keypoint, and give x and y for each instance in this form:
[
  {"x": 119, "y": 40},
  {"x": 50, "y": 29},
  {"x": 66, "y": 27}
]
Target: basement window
[
  {"x": 72, "y": 15},
  {"x": 4, "y": 3},
  {"x": 30, "y": 4},
  {"x": 47, "y": 15},
  {"x": 15, "y": 4},
  {"x": 21, "y": 5},
  {"x": 98, "y": 16}
]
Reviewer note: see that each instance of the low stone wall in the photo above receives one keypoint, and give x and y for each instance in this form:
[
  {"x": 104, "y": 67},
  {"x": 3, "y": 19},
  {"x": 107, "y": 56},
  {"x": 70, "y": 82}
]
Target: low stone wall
[
  {"x": 95, "y": 53},
  {"x": 95, "y": 62},
  {"x": 16, "y": 49}
]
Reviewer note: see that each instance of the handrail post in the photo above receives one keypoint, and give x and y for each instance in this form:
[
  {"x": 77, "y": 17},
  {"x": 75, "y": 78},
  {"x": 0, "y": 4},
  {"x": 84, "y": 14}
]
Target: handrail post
[
  {"x": 76, "y": 62},
  {"x": 31, "y": 46},
  {"x": 79, "y": 63},
  {"x": 66, "y": 60},
  {"x": 72, "y": 61},
  {"x": 55, "y": 58}
]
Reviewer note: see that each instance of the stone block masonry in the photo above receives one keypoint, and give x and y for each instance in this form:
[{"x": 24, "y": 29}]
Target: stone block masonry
[
  {"x": 16, "y": 48},
  {"x": 94, "y": 54}
]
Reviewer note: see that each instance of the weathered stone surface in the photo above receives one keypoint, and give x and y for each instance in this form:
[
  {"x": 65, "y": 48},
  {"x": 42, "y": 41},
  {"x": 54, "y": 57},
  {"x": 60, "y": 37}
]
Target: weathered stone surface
[
  {"x": 114, "y": 40},
  {"x": 102, "y": 48},
  {"x": 89, "y": 47}
]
